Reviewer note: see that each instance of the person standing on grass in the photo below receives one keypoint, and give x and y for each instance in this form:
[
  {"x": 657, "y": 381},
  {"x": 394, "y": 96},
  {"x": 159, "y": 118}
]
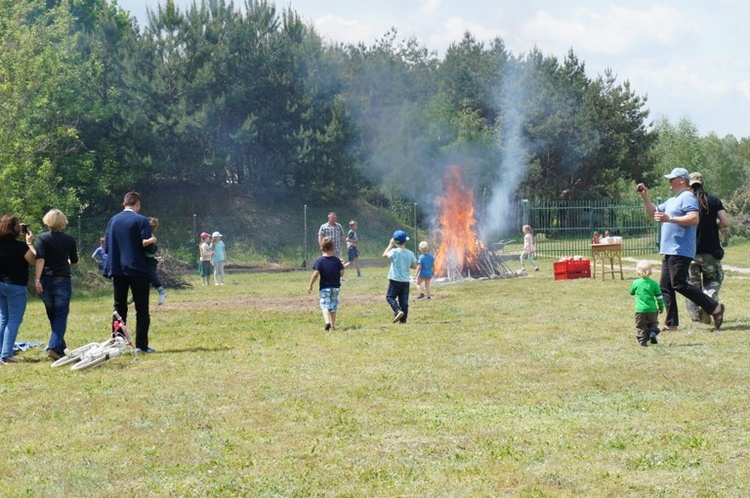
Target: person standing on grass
[
  {"x": 100, "y": 256},
  {"x": 706, "y": 271},
  {"x": 219, "y": 257},
  {"x": 351, "y": 243},
  {"x": 528, "y": 247},
  {"x": 55, "y": 253},
  {"x": 679, "y": 217},
  {"x": 424, "y": 270},
  {"x": 204, "y": 266},
  {"x": 402, "y": 259},
  {"x": 333, "y": 230},
  {"x": 649, "y": 303},
  {"x": 330, "y": 269},
  {"x": 126, "y": 265},
  {"x": 15, "y": 258}
]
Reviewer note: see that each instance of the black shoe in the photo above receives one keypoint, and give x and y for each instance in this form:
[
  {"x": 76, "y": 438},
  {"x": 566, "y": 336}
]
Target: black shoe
[
  {"x": 328, "y": 327},
  {"x": 644, "y": 343},
  {"x": 652, "y": 338},
  {"x": 719, "y": 317}
]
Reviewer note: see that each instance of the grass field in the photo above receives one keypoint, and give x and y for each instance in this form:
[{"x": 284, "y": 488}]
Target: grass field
[{"x": 524, "y": 387}]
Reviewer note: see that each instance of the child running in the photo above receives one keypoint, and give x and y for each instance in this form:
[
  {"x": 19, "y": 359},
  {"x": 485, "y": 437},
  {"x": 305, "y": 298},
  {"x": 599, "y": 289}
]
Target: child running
[
  {"x": 330, "y": 269},
  {"x": 528, "y": 247},
  {"x": 424, "y": 270},
  {"x": 648, "y": 304},
  {"x": 402, "y": 259}
]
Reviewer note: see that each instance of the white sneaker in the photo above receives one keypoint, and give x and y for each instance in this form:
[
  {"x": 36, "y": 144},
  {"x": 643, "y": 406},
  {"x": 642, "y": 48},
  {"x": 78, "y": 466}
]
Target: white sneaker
[
  {"x": 398, "y": 317},
  {"x": 162, "y": 297}
]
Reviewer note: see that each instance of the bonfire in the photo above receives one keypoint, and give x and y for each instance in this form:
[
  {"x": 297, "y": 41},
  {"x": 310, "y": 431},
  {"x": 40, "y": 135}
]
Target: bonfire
[{"x": 461, "y": 252}]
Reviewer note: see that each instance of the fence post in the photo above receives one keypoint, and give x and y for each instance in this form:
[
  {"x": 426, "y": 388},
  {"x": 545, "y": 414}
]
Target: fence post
[
  {"x": 526, "y": 211},
  {"x": 416, "y": 229},
  {"x": 658, "y": 228},
  {"x": 304, "y": 218}
]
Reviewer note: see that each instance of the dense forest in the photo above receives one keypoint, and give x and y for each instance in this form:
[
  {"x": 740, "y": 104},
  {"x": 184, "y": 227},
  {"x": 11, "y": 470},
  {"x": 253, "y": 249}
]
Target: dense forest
[{"x": 91, "y": 105}]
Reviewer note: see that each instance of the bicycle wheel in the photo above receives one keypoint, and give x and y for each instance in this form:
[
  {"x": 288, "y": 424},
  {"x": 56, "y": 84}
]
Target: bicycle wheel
[
  {"x": 91, "y": 361},
  {"x": 73, "y": 356}
]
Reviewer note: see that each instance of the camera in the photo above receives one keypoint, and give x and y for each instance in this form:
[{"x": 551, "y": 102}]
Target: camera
[{"x": 24, "y": 228}]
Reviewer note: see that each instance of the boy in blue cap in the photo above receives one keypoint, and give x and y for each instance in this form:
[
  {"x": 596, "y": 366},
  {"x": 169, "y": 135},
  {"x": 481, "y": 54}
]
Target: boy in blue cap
[{"x": 402, "y": 259}]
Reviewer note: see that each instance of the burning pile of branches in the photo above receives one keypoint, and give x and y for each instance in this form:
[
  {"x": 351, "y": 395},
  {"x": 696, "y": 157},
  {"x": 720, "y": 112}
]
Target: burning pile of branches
[{"x": 461, "y": 252}]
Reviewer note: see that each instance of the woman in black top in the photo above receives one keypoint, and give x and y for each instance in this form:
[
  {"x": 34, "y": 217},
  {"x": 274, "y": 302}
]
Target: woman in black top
[
  {"x": 55, "y": 252},
  {"x": 15, "y": 258}
]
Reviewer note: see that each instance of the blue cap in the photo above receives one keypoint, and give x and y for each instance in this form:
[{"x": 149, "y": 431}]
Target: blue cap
[{"x": 400, "y": 236}]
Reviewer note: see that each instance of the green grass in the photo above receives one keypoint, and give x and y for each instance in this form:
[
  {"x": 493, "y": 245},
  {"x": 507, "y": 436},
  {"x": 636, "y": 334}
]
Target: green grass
[{"x": 524, "y": 387}]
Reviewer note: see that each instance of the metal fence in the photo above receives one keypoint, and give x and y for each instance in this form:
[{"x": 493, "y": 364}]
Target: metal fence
[
  {"x": 289, "y": 238},
  {"x": 565, "y": 228}
]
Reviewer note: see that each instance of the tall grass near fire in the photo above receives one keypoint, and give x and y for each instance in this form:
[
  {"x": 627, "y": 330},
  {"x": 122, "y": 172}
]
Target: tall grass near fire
[{"x": 516, "y": 387}]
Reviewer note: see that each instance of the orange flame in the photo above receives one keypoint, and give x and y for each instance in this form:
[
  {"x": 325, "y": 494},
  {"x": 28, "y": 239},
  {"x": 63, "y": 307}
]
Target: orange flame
[{"x": 459, "y": 245}]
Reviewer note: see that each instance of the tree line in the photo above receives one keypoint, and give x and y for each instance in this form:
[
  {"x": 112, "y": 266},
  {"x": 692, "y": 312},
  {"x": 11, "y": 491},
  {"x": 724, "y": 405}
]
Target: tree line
[{"x": 92, "y": 105}]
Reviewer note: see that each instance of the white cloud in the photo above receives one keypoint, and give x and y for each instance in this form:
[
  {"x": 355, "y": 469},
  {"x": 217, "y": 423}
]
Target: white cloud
[
  {"x": 744, "y": 88},
  {"x": 343, "y": 30},
  {"x": 615, "y": 31},
  {"x": 431, "y": 7}
]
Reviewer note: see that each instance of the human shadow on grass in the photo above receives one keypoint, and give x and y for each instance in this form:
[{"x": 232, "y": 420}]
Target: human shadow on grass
[{"x": 199, "y": 349}]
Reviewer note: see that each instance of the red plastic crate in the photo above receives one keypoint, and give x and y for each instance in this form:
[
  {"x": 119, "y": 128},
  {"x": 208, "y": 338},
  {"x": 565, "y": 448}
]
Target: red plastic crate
[{"x": 572, "y": 268}]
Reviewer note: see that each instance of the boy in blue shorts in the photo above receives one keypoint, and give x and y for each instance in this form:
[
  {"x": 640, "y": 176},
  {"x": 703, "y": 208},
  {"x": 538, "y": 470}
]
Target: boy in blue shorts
[
  {"x": 402, "y": 259},
  {"x": 330, "y": 269},
  {"x": 424, "y": 269}
]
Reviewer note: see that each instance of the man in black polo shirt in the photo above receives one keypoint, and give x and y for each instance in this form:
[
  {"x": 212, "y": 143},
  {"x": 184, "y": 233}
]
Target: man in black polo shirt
[{"x": 126, "y": 264}]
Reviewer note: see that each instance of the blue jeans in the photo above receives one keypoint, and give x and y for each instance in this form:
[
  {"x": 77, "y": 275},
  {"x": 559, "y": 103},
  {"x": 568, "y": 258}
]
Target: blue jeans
[
  {"x": 398, "y": 297},
  {"x": 12, "y": 308},
  {"x": 56, "y": 292}
]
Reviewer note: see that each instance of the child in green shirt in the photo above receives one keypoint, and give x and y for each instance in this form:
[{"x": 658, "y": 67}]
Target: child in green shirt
[{"x": 648, "y": 304}]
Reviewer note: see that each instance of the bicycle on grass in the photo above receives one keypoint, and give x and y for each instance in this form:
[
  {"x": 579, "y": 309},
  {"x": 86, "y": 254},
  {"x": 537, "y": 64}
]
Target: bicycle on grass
[{"x": 96, "y": 353}]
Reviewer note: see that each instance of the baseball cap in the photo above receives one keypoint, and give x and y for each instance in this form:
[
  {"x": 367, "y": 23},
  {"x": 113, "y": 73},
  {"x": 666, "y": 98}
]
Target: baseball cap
[
  {"x": 204, "y": 234},
  {"x": 216, "y": 234},
  {"x": 696, "y": 179},
  {"x": 400, "y": 236},
  {"x": 678, "y": 173}
]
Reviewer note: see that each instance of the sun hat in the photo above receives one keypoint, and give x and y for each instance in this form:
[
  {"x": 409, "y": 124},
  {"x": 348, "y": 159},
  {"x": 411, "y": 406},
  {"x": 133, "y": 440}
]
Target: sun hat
[
  {"x": 204, "y": 234},
  {"x": 216, "y": 234},
  {"x": 400, "y": 236},
  {"x": 678, "y": 173},
  {"x": 696, "y": 179}
]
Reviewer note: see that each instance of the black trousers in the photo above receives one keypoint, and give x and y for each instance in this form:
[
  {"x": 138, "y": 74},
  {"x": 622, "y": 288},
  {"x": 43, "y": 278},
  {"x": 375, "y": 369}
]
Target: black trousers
[
  {"x": 398, "y": 297},
  {"x": 139, "y": 286},
  {"x": 674, "y": 279}
]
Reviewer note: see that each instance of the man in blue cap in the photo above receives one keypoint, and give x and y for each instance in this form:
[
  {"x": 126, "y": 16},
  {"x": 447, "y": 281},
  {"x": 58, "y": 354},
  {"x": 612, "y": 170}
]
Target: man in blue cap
[
  {"x": 399, "y": 277},
  {"x": 679, "y": 216}
]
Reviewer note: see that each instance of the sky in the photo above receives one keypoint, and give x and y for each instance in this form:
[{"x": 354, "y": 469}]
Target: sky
[{"x": 686, "y": 56}]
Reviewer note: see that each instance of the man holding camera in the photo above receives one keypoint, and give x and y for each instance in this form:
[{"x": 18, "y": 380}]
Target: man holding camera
[{"x": 679, "y": 216}]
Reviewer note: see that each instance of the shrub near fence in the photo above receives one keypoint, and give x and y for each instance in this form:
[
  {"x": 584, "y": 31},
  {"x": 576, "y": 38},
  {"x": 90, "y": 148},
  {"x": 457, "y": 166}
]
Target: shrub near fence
[{"x": 290, "y": 238}]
